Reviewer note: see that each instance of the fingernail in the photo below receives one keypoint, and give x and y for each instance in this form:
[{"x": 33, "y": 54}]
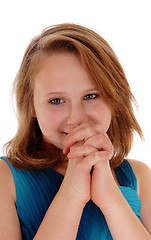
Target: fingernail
[{"x": 65, "y": 150}]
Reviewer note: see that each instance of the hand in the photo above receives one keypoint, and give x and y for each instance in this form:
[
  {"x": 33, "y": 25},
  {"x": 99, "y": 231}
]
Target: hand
[{"x": 86, "y": 146}]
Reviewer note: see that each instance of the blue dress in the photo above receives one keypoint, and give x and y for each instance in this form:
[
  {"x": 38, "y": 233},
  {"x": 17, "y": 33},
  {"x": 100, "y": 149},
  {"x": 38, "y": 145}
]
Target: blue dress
[{"x": 35, "y": 191}]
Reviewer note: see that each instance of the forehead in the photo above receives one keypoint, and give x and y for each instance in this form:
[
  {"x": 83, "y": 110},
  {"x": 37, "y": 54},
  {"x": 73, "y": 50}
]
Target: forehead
[{"x": 62, "y": 70}]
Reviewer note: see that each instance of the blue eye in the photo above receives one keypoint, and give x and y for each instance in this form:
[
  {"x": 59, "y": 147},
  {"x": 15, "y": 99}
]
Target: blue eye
[
  {"x": 91, "y": 96},
  {"x": 56, "y": 101}
]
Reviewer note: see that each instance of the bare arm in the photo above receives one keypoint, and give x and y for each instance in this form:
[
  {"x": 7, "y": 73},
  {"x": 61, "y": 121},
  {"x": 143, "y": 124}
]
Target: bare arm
[
  {"x": 143, "y": 173},
  {"x": 121, "y": 220},
  {"x": 61, "y": 220},
  {"x": 9, "y": 222},
  {"x": 76, "y": 189},
  {"x": 63, "y": 216}
]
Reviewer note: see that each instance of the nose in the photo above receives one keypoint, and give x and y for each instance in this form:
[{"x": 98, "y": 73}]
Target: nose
[{"x": 77, "y": 115}]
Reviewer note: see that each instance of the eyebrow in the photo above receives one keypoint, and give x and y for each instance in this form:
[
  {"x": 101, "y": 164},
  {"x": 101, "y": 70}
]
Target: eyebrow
[{"x": 64, "y": 93}]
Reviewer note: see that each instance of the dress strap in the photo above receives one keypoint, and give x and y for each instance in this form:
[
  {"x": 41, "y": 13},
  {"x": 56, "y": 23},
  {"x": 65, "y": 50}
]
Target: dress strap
[{"x": 126, "y": 175}]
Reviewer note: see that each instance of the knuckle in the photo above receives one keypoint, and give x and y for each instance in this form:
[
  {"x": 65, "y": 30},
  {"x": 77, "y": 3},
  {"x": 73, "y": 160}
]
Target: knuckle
[
  {"x": 90, "y": 132},
  {"x": 95, "y": 157},
  {"x": 98, "y": 127},
  {"x": 87, "y": 148}
]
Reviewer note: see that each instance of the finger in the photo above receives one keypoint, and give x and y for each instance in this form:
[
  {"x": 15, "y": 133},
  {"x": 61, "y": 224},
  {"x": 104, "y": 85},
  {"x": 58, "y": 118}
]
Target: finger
[
  {"x": 86, "y": 163},
  {"x": 80, "y": 133},
  {"x": 83, "y": 133},
  {"x": 81, "y": 151},
  {"x": 93, "y": 144},
  {"x": 100, "y": 143},
  {"x": 66, "y": 150},
  {"x": 96, "y": 157}
]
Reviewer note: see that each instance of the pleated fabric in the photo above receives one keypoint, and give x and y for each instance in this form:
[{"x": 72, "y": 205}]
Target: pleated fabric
[{"x": 35, "y": 190}]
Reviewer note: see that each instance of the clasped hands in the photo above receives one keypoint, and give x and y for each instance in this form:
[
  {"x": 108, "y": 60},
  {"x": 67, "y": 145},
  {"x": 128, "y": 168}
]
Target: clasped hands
[{"x": 88, "y": 146}]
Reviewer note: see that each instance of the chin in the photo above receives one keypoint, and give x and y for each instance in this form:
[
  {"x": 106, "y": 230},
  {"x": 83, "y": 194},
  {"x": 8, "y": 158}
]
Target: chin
[{"x": 58, "y": 145}]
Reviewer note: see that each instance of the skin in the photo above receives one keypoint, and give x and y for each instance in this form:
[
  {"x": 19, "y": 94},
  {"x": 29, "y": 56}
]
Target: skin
[
  {"x": 64, "y": 98},
  {"x": 73, "y": 117},
  {"x": 71, "y": 113}
]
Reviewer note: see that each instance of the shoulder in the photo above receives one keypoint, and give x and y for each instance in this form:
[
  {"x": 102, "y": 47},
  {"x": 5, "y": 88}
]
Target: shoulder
[
  {"x": 9, "y": 221},
  {"x": 6, "y": 180},
  {"x": 139, "y": 167},
  {"x": 143, "y": 175}
]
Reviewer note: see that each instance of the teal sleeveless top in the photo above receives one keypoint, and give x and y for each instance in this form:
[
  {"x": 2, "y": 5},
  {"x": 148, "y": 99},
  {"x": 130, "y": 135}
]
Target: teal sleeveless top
[{"x": 35, "y": 191}]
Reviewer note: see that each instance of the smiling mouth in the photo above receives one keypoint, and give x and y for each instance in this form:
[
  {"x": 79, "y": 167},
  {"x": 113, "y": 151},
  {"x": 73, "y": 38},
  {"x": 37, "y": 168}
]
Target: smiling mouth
[{"x": 65, "y": 133}]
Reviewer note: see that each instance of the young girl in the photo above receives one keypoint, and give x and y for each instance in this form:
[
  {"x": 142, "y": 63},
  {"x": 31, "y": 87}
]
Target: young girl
[{"x": 64, "y": 174}]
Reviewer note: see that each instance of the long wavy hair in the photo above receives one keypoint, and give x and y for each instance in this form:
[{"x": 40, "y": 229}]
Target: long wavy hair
[{"x": 27, "y": 150}]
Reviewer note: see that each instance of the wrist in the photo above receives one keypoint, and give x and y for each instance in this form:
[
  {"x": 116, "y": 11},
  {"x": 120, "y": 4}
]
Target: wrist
[
  {"x": 108, "y": 192},
  {"x": 112, "y": 202},
  {"x": 68, "y": 196}
]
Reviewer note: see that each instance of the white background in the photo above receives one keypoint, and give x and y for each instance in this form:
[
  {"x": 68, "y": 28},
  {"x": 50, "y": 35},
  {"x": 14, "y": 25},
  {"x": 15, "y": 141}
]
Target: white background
[{"x": 125, "y": 24}]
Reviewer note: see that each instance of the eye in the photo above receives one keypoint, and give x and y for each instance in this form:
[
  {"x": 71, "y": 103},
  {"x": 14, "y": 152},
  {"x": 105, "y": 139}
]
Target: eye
[
  {"x": 56, "y": 101},
  {"x": 91, "y": 96}
]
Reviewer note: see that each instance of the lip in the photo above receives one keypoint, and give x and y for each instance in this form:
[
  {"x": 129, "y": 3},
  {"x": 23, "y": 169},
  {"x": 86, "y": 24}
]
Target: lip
[{"x": 65, "y": 133}]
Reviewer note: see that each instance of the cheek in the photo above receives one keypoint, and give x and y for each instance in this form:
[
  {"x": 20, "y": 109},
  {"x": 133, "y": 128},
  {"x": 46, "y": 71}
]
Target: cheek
[
  {"x": 108, "y": 121},
  {"x": 103, "y": 115},
  {"x": 50, "y": 121}
]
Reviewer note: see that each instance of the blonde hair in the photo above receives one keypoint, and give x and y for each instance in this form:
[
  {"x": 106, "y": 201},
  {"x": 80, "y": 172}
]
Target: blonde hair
[{"x": 26, "y": 150}]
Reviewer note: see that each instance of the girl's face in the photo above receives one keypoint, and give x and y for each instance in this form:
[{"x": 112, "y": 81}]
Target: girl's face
[{"x": 65, "y": 97}]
